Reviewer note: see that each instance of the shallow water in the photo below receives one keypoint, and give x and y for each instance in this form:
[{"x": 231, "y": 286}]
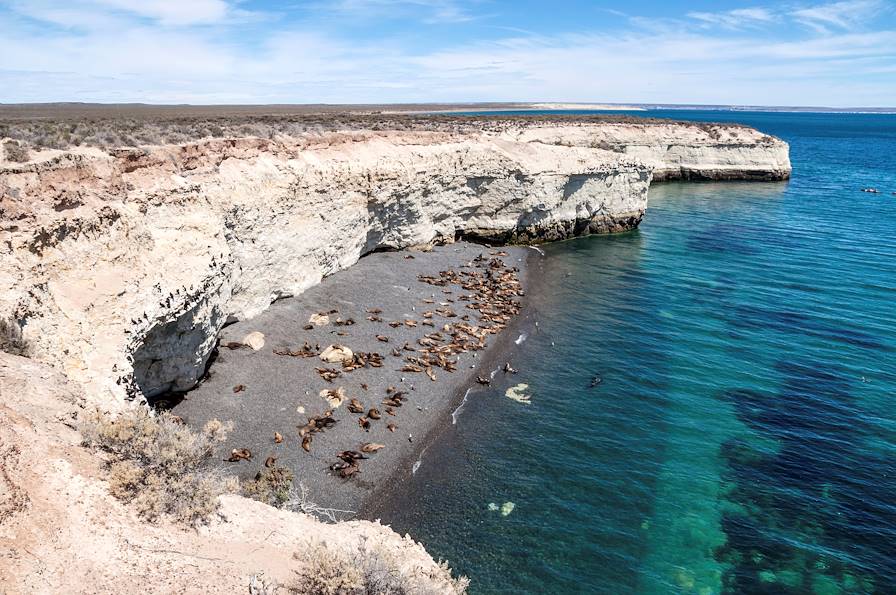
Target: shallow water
[{"x": 743, "y": 437}]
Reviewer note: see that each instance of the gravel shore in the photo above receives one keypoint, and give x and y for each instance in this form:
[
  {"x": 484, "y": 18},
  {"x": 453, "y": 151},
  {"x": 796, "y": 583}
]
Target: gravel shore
[{"x": 279, "y": 392}]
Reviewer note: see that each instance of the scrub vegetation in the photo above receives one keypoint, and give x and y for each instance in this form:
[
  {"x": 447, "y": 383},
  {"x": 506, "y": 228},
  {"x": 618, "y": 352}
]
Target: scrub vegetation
[{"x": 159, "y": 465}]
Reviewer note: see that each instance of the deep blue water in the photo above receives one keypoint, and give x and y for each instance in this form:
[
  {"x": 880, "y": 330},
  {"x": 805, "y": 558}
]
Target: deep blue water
[{"x": 743, "y": 439}]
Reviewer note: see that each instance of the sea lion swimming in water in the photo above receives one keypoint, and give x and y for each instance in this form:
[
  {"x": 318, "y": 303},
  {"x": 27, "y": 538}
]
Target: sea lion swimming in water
[{"x": 595, "y": 381}]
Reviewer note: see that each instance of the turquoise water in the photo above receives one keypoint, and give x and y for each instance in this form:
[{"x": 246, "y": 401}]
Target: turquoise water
[{"x": 743, "y": 437}]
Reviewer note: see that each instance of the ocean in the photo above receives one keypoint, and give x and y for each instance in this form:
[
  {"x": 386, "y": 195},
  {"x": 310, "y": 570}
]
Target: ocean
[{"x": 741, "y": 433}]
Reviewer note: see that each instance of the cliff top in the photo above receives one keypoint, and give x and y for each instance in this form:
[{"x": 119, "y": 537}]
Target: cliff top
[{"x": 61, "y": 126}]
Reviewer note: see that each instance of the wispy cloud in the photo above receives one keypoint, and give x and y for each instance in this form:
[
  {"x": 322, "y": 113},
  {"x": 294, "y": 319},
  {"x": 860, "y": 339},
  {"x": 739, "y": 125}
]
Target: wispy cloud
[
  {"x": 848, "y": 15},
  {"x": 736, "y": 19},
  {"x": 427, "y": 11}
]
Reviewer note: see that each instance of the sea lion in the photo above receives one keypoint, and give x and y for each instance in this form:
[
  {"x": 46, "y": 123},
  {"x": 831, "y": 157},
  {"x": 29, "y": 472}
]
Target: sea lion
[
  {"x": 595, "y": 381},
  {"x": 270, "y": 461},
  {"x": 355, "y": 406},
  {"x": 391, "y": 427},
  {"x": 364, "y": 386},
  {"x": 374, "y": 311},
  {"x": 371, "y": 447},
  {"x": 239, "y": 388},
  {"x": 374, "y": 413},
  {"x": 350, "y": 456},
  {"x": 349, "y": 471},
  {"x": 239, "y": 454},
  {"x": 484, "y": 381},
  {"x": 508, "y": 369},
  {"x": 382, "y": 338},
  {"x": 364, "y": 423},
  {"x": 278, "y": 437},
  {"x": 306, "y": 443}
]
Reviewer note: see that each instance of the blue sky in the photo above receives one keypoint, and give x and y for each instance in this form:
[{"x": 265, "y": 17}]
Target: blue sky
[{"x": 810, "y": 52}]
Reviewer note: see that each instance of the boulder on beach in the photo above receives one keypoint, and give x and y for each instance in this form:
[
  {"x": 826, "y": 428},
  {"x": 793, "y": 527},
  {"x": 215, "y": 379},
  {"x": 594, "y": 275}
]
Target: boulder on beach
[
  {"x": 319, "y": 319},
  {"x": 255, "y": 340},
  {"x": 335, "y": 354}
]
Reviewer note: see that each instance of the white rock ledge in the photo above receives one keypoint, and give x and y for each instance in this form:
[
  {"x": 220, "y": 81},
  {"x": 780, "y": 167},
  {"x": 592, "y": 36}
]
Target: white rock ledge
[{"x": 126, "y": 265}]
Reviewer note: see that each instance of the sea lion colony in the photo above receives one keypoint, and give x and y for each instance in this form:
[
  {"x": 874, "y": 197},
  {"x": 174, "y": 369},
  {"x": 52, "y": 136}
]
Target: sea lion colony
[{"x": 479, "y": 300}]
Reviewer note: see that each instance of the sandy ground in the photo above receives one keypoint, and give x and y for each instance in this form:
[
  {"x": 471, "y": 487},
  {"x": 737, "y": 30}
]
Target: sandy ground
[{"x": 281, "y": 392}]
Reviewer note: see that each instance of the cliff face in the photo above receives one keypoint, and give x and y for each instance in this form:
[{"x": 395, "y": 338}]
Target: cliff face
[
  {"x": 677, "y": 151},
  {"x": 123, "y": 267}
]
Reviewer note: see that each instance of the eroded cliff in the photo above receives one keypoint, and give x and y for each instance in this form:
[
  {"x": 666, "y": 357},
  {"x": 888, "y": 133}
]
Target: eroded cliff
[{"x": 122, "y": 266}]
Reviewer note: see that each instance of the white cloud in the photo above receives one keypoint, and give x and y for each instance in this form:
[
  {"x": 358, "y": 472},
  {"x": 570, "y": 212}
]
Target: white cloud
[
  {"x": 427, "y": 11},
  {"x": 736, "y": 19},
  {"x": 848, "y": 15}
]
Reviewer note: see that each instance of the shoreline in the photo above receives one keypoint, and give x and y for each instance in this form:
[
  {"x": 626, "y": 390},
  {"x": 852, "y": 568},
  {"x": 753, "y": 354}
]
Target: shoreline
[
  {"x": 281, "y": 392},
  {"x": 498, "y": 352}
]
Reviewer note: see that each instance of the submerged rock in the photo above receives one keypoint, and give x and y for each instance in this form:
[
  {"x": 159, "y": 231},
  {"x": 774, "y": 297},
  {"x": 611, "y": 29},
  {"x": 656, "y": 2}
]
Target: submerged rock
[{"x": 516, "y": 393}]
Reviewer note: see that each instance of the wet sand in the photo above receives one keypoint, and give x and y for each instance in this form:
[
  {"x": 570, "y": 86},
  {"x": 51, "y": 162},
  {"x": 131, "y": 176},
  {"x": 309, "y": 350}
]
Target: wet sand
[{"x": 282, "y": 392}]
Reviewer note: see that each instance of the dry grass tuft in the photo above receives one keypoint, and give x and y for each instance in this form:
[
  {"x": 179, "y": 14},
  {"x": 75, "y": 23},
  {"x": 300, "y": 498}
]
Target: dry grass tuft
[
  {"x": 157, "y": 464},
  {"x": 11, "y": 340},
  {"x": 271, "y": 486},
  {"x": 369, "y": 570},
  {"x": 16, "y": 152}
]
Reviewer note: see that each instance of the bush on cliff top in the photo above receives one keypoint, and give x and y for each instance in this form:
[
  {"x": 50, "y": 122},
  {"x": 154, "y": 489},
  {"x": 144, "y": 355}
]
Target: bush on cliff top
[
  {"x": 368, "y": 570},
  {"x": 16, "y": 152},
  {"x": 157, "y": 464},
  {"x": 11, "y": 340}
]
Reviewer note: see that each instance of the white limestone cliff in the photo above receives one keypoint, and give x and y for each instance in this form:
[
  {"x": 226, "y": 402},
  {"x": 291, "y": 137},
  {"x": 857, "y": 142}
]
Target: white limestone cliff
[{"x": 122, "y": 267}]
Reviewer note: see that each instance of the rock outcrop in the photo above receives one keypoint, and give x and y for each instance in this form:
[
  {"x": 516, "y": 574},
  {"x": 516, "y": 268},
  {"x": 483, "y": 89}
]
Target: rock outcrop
[{"x": 122, "y": 267}]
